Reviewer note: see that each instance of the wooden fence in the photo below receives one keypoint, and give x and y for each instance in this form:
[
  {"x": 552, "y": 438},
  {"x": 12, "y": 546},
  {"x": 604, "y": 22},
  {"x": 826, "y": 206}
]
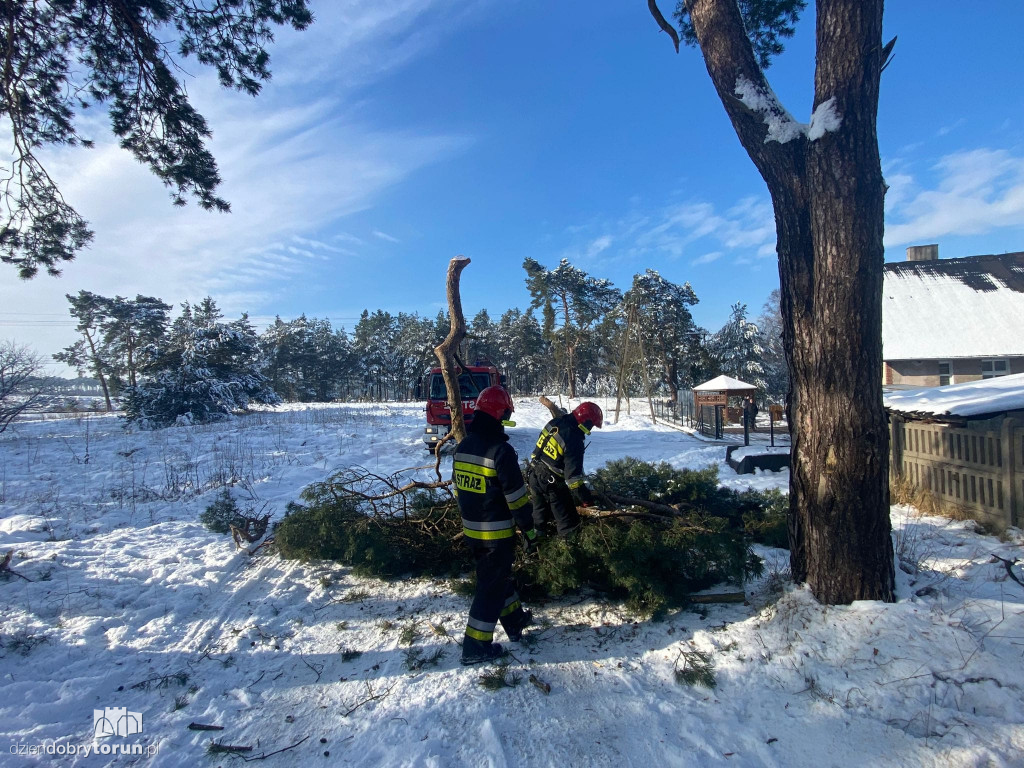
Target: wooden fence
[{"x": 978, "y": 467}]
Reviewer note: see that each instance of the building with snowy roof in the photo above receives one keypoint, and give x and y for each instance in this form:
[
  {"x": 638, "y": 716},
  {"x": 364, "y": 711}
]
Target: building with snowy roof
[{"x": 952, "y": 320}]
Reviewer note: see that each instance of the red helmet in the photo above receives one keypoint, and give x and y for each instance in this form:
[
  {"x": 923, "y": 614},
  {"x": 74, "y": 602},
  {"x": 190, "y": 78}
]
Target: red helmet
[
  {"x": 495, "y": 401},
  {"x": 589, "y": 412}
]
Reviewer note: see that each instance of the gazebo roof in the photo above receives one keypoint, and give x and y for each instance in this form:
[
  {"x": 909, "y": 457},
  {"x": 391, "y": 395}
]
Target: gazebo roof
[{"x": 725, "y": 384}]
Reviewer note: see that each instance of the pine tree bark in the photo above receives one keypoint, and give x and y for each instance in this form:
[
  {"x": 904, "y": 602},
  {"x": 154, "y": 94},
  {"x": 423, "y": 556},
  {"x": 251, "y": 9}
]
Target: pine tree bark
[
  {"x": 827, "y": 193},
  {"x": 99, "y": 372}
]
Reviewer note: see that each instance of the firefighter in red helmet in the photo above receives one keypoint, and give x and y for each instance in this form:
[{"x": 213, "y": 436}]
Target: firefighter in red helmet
[
  {"x": 493, "y": 499},
  {"x": 555, "y": 472}
]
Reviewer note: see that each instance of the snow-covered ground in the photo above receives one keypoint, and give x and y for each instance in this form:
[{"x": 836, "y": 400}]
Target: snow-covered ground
[{"x": 133, "y": 604}]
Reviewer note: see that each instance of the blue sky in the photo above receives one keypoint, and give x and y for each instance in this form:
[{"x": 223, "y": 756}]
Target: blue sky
[{"x": 397, "y": 135}]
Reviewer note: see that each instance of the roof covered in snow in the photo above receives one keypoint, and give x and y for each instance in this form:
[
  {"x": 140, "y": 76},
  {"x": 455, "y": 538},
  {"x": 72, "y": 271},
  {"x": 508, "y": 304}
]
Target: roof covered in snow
[
  {"x": 954, "y": 308},
  {"x": 974, "y": 398},
  {"x": 725, "y": 384}
]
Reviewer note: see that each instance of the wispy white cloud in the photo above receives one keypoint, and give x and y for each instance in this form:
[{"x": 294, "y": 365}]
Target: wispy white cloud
[
  {"x": 294, "y": 161},
  {"x": 747, "y": 226},
  {"x": 707, "y": 258},
  {"x": 599, "y": 245},
  {"x": 947, "y": 129},
  {"x": 977, "y": 191},
  {"x": 385, "y": 237}
]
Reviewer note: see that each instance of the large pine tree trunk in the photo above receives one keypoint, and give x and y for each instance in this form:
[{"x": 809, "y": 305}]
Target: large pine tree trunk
[{"x": 827, "y": 191}]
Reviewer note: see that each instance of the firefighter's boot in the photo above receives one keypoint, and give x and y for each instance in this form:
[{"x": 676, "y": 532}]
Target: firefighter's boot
[
  {"x": 515, "y": 623},
  {"x": 478, "y": 651}
]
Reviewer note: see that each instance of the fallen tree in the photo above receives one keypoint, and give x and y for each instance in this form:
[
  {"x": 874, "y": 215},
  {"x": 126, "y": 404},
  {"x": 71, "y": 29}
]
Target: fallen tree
[{"x": 662, "y": 535}]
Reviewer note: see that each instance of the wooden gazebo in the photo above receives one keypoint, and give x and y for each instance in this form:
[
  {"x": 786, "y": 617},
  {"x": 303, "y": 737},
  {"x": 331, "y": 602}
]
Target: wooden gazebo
[{"x": 715, "y": 394}]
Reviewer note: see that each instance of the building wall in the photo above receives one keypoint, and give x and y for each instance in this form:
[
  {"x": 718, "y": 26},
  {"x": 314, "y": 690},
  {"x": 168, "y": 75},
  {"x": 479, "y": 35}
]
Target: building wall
[
  {"x": 925, "y": 373},
  {"x": 977, "y": 468}
]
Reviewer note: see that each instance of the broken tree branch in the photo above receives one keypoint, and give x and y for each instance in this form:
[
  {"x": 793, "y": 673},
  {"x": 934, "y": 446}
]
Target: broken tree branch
[
  {"x": 5, "y": 567},
  {"x": 1008, "y": 565},
  {"x": 667, "y": 28},
  {"x": 447, "y": 349},
  {"x": 204, "y": 727},
  {"x": 370, "y": 697},
  {"x": 654, "y": 506},
  {"x": 556, "y": 410}
]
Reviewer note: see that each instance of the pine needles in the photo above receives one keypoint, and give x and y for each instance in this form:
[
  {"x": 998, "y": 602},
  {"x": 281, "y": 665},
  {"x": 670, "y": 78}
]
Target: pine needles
[
  {"x": 692, "y": 535},
  {"x": 502, "y": 677},
  {"x": 697, "y": 669}
]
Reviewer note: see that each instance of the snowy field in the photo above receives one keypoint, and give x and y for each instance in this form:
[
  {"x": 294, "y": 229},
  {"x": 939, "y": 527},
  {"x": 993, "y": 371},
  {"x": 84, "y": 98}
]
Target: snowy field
[{"x": 133, "y": 604}]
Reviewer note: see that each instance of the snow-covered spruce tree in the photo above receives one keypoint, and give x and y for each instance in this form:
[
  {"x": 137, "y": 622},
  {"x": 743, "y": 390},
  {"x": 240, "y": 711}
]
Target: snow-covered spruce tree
[
  {"x": 737, "y": 348},
  {"x": 204, "y": 370},
  {"x": 661, "y": 311},
  {"x": 521, "y": 350},
  {"x": 306, "y": 360},
  {"x": 773, "y": 353}
]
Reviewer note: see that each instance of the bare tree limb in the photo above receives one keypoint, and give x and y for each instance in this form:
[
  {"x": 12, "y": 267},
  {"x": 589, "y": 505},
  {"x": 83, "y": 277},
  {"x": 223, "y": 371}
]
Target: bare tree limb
[
  {"x": 665, "y": 26},
  {"x": 447, "y": 349},
  {"x": 5, "y": 567},
  {"x": 265, "y": 755},
  {"x": 556, "y": 410},
  {"x": 370, "y": 697},
  {"x": 1008, "y": 565},
  {"x": 654, "y": 506}
]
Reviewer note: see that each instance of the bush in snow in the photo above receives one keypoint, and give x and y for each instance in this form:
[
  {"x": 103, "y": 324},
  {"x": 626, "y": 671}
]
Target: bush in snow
[{"x": 222, "y": 514}]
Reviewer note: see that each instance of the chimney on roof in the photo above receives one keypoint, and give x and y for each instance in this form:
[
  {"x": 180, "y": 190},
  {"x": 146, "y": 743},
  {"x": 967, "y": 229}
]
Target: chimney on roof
[{"x": 923, "y": 252}]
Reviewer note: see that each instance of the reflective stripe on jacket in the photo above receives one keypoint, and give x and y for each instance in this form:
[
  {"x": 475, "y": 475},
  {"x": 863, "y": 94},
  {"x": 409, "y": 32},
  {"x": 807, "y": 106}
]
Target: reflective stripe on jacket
[
  {"x": 489, "y": 485},
  {"x": 560, "y": 447}
]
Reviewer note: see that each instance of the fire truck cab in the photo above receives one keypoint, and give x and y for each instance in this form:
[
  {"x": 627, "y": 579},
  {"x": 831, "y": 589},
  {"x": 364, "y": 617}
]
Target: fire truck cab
[{"x": 472, "y": 381}]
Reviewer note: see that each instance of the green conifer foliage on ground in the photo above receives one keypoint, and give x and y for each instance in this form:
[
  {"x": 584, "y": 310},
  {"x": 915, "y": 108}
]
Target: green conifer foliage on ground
[{"x": 650, "y": 559}]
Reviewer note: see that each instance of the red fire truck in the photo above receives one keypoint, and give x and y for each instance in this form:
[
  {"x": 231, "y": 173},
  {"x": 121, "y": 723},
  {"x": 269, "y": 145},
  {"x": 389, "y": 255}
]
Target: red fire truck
[{"x": 473, "y": 379}]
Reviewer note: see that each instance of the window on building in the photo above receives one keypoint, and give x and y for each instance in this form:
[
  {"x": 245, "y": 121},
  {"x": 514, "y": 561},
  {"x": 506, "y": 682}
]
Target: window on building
[
  {"x": 992, "y": 368},
  {"x": 945, "y": 374}
]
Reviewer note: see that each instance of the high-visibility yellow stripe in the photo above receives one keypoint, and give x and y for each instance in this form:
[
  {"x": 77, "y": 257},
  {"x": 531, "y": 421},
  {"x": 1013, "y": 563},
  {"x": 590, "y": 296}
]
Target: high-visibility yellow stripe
[
  {"x": 476, "y": 634},
  {"x": 520, "y": 502},
  {"x": 576, "y": 483},
  {"x": 476, "y": 469},
  {"x": 507, "y": 533},
  {"x": 585, "y": 430},
  {"x": 511, "y": 608}
]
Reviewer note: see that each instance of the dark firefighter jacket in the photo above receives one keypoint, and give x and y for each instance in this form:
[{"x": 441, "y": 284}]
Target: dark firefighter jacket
[
  {"x": 560, "y": 447},
  {"x": 489, "y": 484}
]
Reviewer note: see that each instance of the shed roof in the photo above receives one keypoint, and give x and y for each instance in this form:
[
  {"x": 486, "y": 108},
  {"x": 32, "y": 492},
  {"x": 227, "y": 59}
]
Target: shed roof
[
  {"x": 725, "y": 384},
  {"x": 954, "y": 308},
  {"x": 971, "y": 399}
]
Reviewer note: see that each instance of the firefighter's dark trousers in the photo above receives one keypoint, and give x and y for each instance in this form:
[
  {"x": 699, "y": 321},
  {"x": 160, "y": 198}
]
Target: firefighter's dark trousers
[
  {"x": 551, "y": 498},
  {"x": 496, "y": 598}
]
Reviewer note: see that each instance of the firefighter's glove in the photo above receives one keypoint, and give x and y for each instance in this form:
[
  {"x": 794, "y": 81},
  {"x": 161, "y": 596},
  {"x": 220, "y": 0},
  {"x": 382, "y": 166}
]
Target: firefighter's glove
[
  {"x": 531, "y": 539},
  {"x": 584, "y": 496}
]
